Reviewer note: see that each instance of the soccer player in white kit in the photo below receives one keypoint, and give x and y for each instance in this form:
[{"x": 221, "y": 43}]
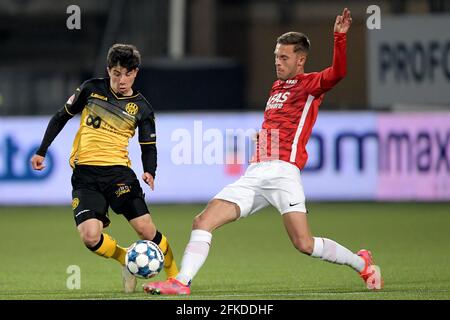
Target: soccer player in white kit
[{"x": 274, "y": 176}]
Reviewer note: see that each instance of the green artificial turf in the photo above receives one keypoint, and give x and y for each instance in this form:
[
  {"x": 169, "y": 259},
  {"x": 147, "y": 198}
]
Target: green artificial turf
[{"x": 249, "y": 259}]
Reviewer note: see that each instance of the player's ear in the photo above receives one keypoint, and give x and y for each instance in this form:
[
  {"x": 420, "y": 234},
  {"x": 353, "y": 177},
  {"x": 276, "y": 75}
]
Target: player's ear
[
  {"x": 109, "y": 71},
  {"x": 301, "y": 60}
]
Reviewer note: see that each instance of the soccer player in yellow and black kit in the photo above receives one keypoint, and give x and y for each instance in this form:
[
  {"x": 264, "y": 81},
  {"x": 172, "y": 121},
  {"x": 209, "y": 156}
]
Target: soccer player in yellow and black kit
[{"x": 111, "y": 109}]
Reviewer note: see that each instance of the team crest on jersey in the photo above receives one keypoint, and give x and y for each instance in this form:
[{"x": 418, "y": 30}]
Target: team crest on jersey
[
  {"x": 75, "y": 203},
  {"x": 131, "y": 108}
]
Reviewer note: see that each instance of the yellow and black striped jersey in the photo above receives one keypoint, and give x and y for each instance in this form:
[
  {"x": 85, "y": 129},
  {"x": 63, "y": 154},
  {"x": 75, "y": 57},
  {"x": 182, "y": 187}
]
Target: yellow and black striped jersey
[{"x": 107, "y": 123}]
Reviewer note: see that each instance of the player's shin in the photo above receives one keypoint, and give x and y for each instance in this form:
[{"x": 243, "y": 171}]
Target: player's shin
[
  {"x": 170, "y": 266},
  {"x": 333, "y": 252},
  {"x": 195, "y": 255},
  {"x": 107, "y": 247}
]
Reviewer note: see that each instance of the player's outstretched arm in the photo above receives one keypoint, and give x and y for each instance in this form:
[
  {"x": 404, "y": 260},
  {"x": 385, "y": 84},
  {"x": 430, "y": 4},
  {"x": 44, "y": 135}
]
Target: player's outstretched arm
[
  {"x": 343, "y": 22},
  {"x": 74, "y": 105},
  {"x": 332, "y": 75},
  {"x": 55, "y": 125}
]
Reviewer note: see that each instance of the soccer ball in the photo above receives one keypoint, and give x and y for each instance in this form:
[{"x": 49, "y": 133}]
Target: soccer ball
[{"x": 144, "y": 259}]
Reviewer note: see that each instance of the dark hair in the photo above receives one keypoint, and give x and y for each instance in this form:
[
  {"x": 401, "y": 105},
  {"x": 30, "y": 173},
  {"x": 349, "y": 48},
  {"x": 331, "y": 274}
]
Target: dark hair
[
  {"x": 125, "y": 55},
  {"x": 299, "y": 40}
]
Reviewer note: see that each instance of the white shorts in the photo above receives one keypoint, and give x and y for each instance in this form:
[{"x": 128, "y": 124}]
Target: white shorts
[{"x": 274, "y": 182}]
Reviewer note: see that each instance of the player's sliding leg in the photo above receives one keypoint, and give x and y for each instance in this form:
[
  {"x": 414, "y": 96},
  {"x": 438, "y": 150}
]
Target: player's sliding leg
[
  {"x": 194, "y": 257},
  {"x": 296, "y": 224},
  {"x": 216, "y": 214},
  {"x": 146, "y": 230},
  {"x": 371, "y": 273},
  {"x": 362, "y": 262}
]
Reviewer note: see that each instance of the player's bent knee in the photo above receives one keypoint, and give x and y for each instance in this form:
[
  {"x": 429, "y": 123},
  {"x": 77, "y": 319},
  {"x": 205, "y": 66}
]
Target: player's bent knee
[
  {"x": 147, "y": 232},
  {"x": 90, "y": 232},
  {"x": 90, "y": 237}
]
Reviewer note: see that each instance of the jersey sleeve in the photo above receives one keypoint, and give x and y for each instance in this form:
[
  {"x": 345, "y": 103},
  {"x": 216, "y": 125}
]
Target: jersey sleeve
[
  {"x": 321, "y": 82},
  {"x": 76, "y": 102},
  {"x": 73, "y": 106},
  {"x": 147, "y": 128},
  {"x": 147, "y": 140}
]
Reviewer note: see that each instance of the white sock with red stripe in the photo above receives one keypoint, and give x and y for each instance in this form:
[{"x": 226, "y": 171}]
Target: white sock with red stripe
[
  {"x": 333, "y": 252},
  {"x": 195, "y": 255}
]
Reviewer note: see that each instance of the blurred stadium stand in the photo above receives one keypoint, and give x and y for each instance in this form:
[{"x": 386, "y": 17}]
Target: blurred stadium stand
[
  {"x": 192, "y": 84},
  {"x": 42, "y": 62}
]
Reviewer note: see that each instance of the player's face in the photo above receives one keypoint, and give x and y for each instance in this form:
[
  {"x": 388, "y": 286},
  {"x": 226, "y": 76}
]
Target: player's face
[
  {"x": 287, "y": 62},
  {"x": 121, "y": 79}
]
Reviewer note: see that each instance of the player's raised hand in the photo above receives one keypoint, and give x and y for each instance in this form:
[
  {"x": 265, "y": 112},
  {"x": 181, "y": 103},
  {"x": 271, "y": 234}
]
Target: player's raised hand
[
  {"x": 37, "y": 162},
  {"x": 343, "y": 22},
  {"x": 148, "y": 179}
]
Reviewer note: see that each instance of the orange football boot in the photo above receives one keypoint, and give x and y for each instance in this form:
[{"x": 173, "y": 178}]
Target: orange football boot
[
  {"x": 371, "y": 273},
  {"x": 170, "y": 286}
]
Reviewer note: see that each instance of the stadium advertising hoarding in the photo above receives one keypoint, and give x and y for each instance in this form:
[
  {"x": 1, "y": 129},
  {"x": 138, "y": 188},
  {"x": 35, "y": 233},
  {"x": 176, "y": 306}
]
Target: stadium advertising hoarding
[
  {"x": 352, "y": 156},
  {"x": 414, "y": 156},
  {"x": 409, "y": 61}
]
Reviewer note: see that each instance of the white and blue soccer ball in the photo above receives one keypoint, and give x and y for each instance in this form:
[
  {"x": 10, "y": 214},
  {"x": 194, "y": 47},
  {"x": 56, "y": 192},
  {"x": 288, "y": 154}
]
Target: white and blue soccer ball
[{"x": 144, "y": 259}]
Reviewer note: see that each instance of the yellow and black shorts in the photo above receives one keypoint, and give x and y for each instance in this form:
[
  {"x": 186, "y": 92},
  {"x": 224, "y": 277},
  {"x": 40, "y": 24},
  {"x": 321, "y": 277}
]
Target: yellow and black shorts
[{"x": 96, "y": 188}]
